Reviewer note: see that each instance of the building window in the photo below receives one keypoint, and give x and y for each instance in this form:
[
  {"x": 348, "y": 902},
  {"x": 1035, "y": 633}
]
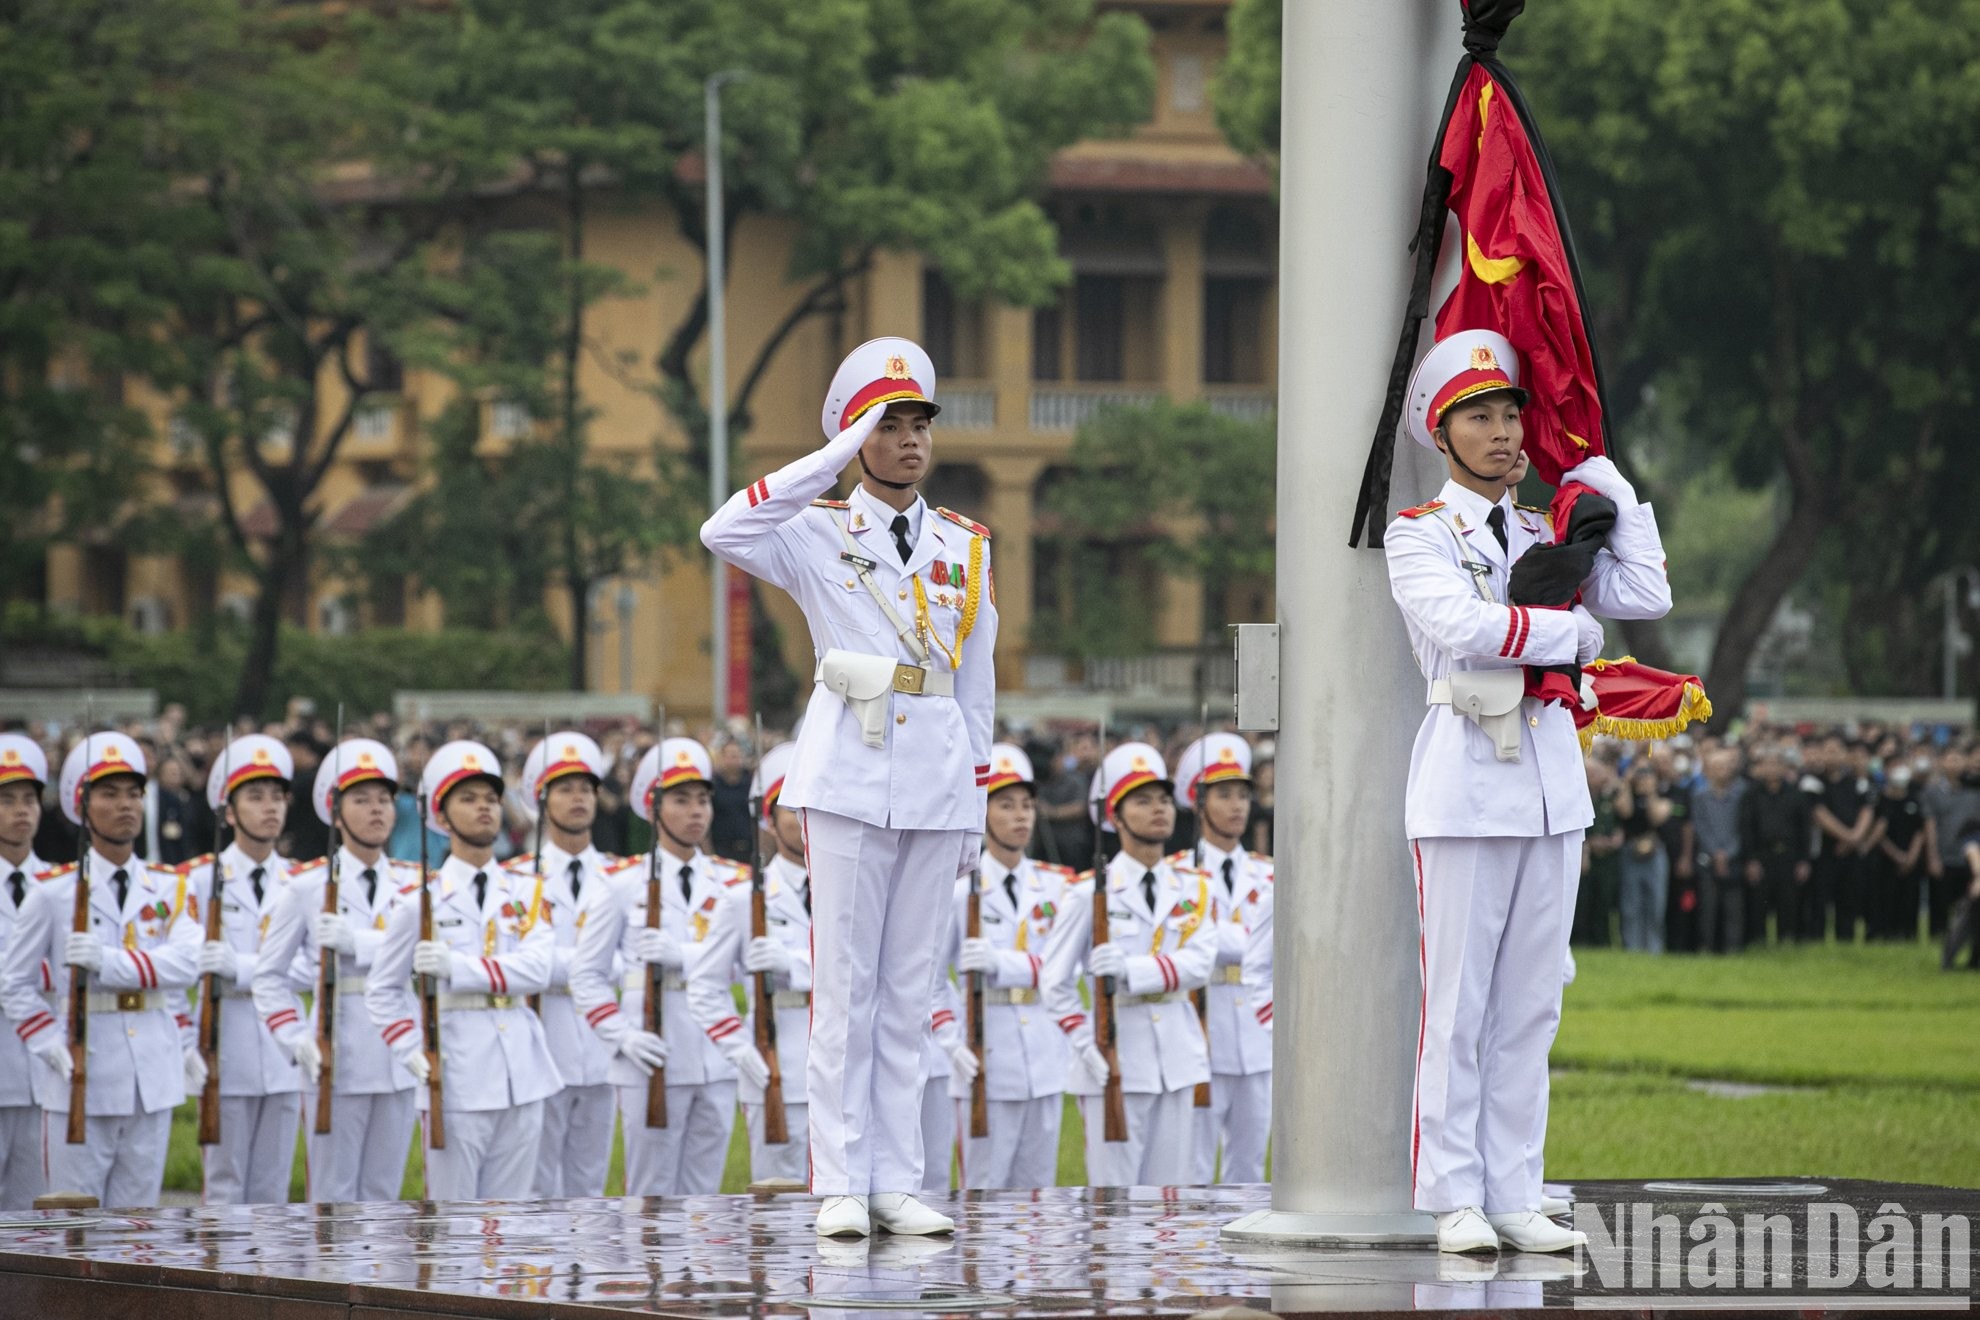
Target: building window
[
  {"x": 952, "y": 330},
  {"x": 1048, "y": 344},
  {"x": 382, "y": 368},
  {"x": 1234, "y": 330},
  {"x": 1186, "y": 84},
  {"x": 1100, "y": 334}
]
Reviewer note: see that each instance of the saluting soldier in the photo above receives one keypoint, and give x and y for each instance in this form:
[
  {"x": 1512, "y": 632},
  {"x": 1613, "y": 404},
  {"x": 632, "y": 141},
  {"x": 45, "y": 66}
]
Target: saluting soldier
[
  {"x": 1213, "y": 779},
  {"x": 672, "y": 788},
  {"x": 564, "y": 771},
  {"x": 1162, "y": 943},
  {"x": 892, "y": 759},
  {"x": 492, "y": 947},
  {"x": 1025, "y": 1057},
  {"x": 1497, "y": 801},
  {"x": 363, "y": 1156},
  {"x": 141, "y": 952},
  {"x": 260, "y": 1084},
  {"x": 731, "y": 953},
  {"x": 23, "y": 777}
]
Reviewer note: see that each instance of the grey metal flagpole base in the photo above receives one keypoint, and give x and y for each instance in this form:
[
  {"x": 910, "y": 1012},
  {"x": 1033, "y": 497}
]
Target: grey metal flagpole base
[{"x": 1289, "y": 1228}]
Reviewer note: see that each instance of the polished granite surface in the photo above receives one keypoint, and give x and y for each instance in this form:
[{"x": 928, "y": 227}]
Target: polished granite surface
[{"x": 1055, "y": 1252}]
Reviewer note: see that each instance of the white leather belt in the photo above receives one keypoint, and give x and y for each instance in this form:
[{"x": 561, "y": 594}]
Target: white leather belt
[
  {"x": 911, "y": 680},
  {"x": 1165, "y": 997},
  {"x": 454, "y": 1003},
  {"x": 557, "y": 990},
  {"x": 125, "y": 1001},
  {"x": 349, "y": 985},
  {"x": 790, "y": 999},
  {"x": 636, "y": 985},
  {"x": 1019, "y": 997}
]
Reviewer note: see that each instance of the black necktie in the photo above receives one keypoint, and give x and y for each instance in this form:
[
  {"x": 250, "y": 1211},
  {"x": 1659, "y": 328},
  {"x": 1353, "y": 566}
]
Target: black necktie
[
  {"x": 687, "y": 884},
  {"x": 1230, "y": 885},
  {"x": 1010, "y": 890},
  {"x": 121, "y": 884},
  {"x": 1496, "y": 520},
  {"x": 254, "y": 878},
  {"x": 481, "y": 889},
  {"x": 17, "y": 886},
  {"x": 899, "y": 527},
  {"x": 804, "y": 892},
  {"x": 577, "y": 878},
  {"x": 1148, "y": 889},
  {"x": 370, "y": 886}
]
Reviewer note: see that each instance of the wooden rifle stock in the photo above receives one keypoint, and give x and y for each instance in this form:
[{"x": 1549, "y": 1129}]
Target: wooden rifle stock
[
  {"x": 429, "y": 1000},
  {"x": 979, "y": 1086},
  {"x": 1105, "y": 1031},
  {"x": 326, "y": 996},
  {"x": 79, "y": 1000},
  {"x": 656, "y": 979},
  {"x": 209, "y": 1014},
  {"x": 776, "y": 1124}
]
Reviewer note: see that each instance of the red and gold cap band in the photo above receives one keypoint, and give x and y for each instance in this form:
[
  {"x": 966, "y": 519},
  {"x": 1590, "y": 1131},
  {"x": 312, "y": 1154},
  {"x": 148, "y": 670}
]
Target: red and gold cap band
[
  {"x": 250, "y": 772},
  {"x": 558, "y": 769},
  {"x": 1468, "y": 383},
  {"x": 770, "y": 796},
  {"x": 1006, "y": 779},
  {"x": 361, "y": 774},
  {"x": 1129, "y": 782},
  {"x": 447, "y": 785},
  {"x": 880, "y": 393},
  {"x": 676, "y": 775}
]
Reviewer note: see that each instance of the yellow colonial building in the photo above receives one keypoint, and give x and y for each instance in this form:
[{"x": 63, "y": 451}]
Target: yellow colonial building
[{"x": 1172, "y": 238}]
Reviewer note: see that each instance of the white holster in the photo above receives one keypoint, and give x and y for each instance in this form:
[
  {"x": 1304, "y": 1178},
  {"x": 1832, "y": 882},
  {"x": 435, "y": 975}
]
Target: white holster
[
  {"x": 1489, "y": 698},
  {"x": 865, "y": 683}
]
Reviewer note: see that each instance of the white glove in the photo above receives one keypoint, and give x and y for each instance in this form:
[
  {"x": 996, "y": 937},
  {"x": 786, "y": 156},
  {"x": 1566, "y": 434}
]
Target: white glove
[
  {"x": 751, "y": 1070},
  {"x": 414, "y": 1061},
  {"x": 309, "y": 1058},
  {"x": 867, "y": 423},
  {"x": 658, "y": 946},
  {"x": 977, "y": 955},
  {"x": 55, "y": 1053},
  {"x": 195, "y": 1072},
  {"x": 332, "y": 931},
  {"x": 1107, "y": 960},
  {"x": 646, "y": 1050},
  {"x": 216, "y": 959},
  {"x": 83, "y": 950},
  {"x": 1588, "y": 637},
  {"x": 1088, "y": 1056},
  {"x": 1589, "y": 701},
  {"x": 964, "y": 1061},
  {"x": 1601, "y": 476},
  {"x": 764, "y": 954},
  {"x": 433, "y": 958},
  {"x": 972, "y": 853}
]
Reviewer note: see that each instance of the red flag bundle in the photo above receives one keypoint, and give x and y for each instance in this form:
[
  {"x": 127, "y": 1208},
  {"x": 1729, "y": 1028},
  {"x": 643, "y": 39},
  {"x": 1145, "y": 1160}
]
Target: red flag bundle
[
  {"x": 1494, "y": 252},
  {"x": 1637, "y": 703}
]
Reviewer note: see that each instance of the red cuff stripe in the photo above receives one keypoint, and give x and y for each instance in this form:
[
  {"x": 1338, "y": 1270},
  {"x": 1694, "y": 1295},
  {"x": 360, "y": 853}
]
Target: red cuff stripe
[
  {"x": 34, "y": 1024},
  {"x": 47, "y": 976},
  {"x": 599, "y": 1014},
  {"x": 758, "y": 493},
  {"x": 283, "y": 1018},
  {"x": 394, "y": 1033},
  {"x": 726, "y": 1027},
  {"x": 1035, "y": 965},
  {"x": 1512, "y": 630},
  {"x": 1525, "y": 631},
  {"x": 1072, "y": 1022},
  {"x": 943, "y": 1018},
  {"x": 495, "y": 982},
  {"x": 1265, "y": 1014},
  {"x": 149, "y": 969},
  {"x": 183, "y": 1020}
]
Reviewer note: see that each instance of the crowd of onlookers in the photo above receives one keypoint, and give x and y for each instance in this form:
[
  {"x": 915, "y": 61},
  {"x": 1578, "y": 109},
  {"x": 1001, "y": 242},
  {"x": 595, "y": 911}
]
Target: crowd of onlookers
[{"x": 1700, "y": 844}]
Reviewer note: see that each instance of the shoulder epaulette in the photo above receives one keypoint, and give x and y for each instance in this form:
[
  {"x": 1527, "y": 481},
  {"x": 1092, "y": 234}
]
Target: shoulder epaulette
[
  {"x": 613, "y": 868},
  {"x": 162, "y": 868},
  {"x": 1528, "y": 508},
  {"x": 524, "y": 862},
  {"x": 1053, "y": 868},
  {"x": 407, "y": 889},
  {"x": 831, "y": 504},
  {"x": 1083, "y": 877},
  {"x": 1184, "y": 868},
  {"x": 1179, "y": 856},
  {"x": 303, "y": 868},
  {"x": 1421, "y": 509},
  {"x": 192, "y": 864},
  {"x": 966, "y": 524},
  {"x": 57, "y": 872},
  {"x": 740, "y": 870}
]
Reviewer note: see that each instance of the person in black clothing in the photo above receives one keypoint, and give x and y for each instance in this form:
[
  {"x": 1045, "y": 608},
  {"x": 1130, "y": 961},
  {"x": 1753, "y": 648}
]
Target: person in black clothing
[
  {"x": 308, "y": 837},
  {"x": 1681, "y": 847},
  {"x": 1774, "y": 824},
  {"x": 1840, "y": 801},
  {"x": 1895, "y": 861},
  {"x": 185, "y": 827},
  {"x": 731, "y": 834}
]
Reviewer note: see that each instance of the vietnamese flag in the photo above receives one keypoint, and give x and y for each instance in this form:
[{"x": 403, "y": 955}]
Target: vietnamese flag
[{"x": 1494, "y": 252}]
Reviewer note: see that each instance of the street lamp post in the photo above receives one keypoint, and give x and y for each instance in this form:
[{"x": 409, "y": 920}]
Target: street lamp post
[{"x": 718, "y": 377}]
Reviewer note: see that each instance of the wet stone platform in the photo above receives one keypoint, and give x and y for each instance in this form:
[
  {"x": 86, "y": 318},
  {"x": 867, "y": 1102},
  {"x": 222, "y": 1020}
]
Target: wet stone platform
[{"x": 1800, "y": 1245}]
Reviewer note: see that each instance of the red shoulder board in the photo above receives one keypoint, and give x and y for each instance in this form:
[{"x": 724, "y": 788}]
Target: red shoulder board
[
  {"x": 192, "y": 864},
  {"x": 57, "y": 872},
  {"x": 302, "y": 868},
  {"x": 1179, "y": 857},
  {"x": 409, "y": 888},
  {"x": 525, "y": 862},
  {"x": 1053, "y": 868},
  {"x": 1421, "y": 509},
  {"x": 613, "y": 868},
  {"x": 1084, "y": 877},
  {"x": 976, "y": 528},
  {"x": 831, "y": 504}
]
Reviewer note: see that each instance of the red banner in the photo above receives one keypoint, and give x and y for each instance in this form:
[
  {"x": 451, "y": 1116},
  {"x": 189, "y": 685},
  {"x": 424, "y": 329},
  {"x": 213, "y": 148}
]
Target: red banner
[{"x": 737, "y": 583}]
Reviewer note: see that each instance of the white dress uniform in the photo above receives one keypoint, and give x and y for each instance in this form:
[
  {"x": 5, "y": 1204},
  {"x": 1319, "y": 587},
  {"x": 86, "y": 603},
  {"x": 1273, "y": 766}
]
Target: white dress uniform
[
  {"x": 496, "y": 1069},
  {"x": 1158, "y": 917},
  {"x": 718, "y": 966},
  {"x": 889, "y": 823},
  {"x": 21, "y": 1175},
  {"x": 150, "y": 954},
  {"x": 363, "y": 1156},
  {"x": 1025, "y": 1057},
  {"x": 686, "y": 1157},
  {"x": 1496, "y": 844},
  {"x": 1240, "y": 1110}
]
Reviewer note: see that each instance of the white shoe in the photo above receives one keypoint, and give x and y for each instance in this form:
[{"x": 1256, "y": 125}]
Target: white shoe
[
  {"x": 844, "y": 1216},
  {"x": 1555, "y": 1206},
  {"x": 1465, "y": 1230},
  {"x": 897, "y": 1212},
  {"x": 1529, "y": 1230}
]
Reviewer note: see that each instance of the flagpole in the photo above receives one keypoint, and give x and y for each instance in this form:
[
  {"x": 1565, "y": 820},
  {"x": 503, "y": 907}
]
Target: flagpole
[{"x": 1363, "y": 89}]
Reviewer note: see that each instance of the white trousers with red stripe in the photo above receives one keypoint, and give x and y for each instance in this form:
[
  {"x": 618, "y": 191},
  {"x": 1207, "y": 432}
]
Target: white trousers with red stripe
[
  {"x": 1495, "y": 918},
  {"x": 250, "y": 1164},
  {"x": 881, "y": 900},
  {"x": 21, "y": 1171}
]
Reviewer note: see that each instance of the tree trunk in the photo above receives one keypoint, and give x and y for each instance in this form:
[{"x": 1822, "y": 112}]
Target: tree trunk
[
  {"x": 287, "y": 554},
  {"x": 1754, "y": 605},
  {"x": 580, "y": 594},
  {"x": 575, "y": 578}
]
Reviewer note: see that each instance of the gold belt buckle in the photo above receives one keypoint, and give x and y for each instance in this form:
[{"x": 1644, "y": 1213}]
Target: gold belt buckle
[
  {"x": 1233, "y": 974},
  {"x": 501, "y": 1001},
  {"x": 130, "y": 1001},
  {"x": 911, "y": 679},
  {"x": 1024, "y": 996}
]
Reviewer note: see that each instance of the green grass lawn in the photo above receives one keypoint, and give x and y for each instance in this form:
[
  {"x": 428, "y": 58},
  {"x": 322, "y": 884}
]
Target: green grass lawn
[{"x": 1877, "y": 1053}]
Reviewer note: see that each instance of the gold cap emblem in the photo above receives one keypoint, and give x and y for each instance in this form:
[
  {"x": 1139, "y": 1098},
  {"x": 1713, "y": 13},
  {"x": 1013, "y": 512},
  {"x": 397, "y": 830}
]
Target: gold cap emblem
[
  {"x": 1228, "y": 755},
  {"x": 113, "y": 753},
  {"x": 1484, "y": 359},
  {"x": 1140, "y": 763},
  {"x": 10, "y": 757},
  {"x": 570, "y": 752},
  {"x": 366, "y": 762},
  {"x": 683, "y": 758},
  {"x": 897, "y": 368},
  {"x": 261, "y": 756},
  {"x": 469, "y": 761}
]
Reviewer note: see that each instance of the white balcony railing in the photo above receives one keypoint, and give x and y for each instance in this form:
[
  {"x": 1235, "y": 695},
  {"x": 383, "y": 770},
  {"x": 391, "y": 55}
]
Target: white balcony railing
[
  {"x": 1251, "y": 403},
  {"x": 967, "y": 407},
  {"x": 1166, "y": 673},
  {"x": 1068, "y": 407}
]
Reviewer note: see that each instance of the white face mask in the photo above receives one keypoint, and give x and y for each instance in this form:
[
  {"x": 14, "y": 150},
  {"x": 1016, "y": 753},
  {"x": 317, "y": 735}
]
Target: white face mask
[{"x": 1901, "y": 777}]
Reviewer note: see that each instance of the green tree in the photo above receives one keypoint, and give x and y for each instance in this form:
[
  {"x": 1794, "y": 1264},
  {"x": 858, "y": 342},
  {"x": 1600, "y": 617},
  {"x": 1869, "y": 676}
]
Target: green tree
[
  {"x": 1247, "y": 90},
  {"x": 84, "y": 244},
  {"x": 1185, "y": 489}
]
